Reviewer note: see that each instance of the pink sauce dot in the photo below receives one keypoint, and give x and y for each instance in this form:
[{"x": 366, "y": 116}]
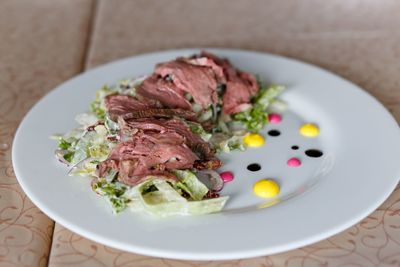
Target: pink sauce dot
[
  {"x": 274, "y": 118},
  {"x": 294, "y": 162},
  {"x": 226, "y": 176}
]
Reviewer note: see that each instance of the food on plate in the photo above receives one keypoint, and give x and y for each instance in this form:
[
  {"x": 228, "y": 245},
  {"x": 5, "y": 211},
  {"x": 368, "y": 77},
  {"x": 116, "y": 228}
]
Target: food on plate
[
  {"x": 152, "y": 143},
  {"x": 266, "y": 188},
  {"x": 309, "y": 130}
]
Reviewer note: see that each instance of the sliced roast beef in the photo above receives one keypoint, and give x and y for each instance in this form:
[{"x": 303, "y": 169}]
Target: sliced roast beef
[
  {"x": 240, "y": 86},
  {"x": 208, "y": 62},
  {"x": 162, "y": 126},
  {"x": 165, "y": 91},
  {"x": 127, "y": 178},
  {"x": 197, "y": 80},
  {"x": 208, "y": 164},
  {"x": 161, "y": 113},
  {"x": 148, "y": 154},
  {"x": 118, "y": 105},
  {"x": 194, "y": 141}
]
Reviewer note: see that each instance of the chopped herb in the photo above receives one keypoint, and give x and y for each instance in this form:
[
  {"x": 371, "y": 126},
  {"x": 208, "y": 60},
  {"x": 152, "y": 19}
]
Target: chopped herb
[
  {"x": 69, "y": 156},
  {"x": 63, "y": 144}
]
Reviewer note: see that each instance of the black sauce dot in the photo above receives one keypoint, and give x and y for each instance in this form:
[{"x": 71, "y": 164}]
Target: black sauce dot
[
  {"x": 254, "y": 167},
  {"x": 314, "y": 153},
  {"x": 295, "y": 147},
  {"x": 274, "y": 133}
]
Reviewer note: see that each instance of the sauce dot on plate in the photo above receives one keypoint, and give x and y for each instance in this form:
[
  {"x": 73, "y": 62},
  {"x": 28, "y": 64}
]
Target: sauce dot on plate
[
  {"x": 226, "y": 176},
  {"x": 266, "y": 188},
  {"x": 254, "y": 167},
  {"x": 274, "y": 118},
  {"x": 313, "y": 153},
  {"x": 309, "y": 130},
  {"x": 274, "y": 133},
  {"x": 254, "y": 140},
  {"x": 293, "y": 162},
  {"x": 295, "y": 147}
]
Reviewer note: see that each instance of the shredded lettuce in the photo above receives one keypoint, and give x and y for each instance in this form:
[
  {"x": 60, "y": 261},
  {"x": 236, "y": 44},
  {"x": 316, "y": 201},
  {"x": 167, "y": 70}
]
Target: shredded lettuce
[
  {"x": 196, "y": 189},
  {"x": 97, "y": 106},
  {"x": 166, "y": 202},
  {"x": 166, "y": 209},
  {"x": 111, "y": 126},
  {"x": 86, "y": 119},
  {"x": 205, "y": 115},
  {"x": 255, "y": 118},
  {"x": 196, "y": 128},
  {"x": 233, "y": 143},
  {"x": 93, "y": 144},
  {"x": 114, "y": 192},
  {"x": 267, "y": 95}
]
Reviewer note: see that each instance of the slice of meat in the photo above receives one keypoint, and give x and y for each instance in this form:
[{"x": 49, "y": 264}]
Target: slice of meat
[
  {"x": 240, "y": 86},
  {"x": 199, "y": 81},
  {"x": 209, "y": 164},
  {"x": 118, "y": 105},
  {"x": 148, "y": 154},
  {"x": 134, "y": 180},
  {"x": 177, "y": 126},
  {"x": 238, "y": 94},
  {"x": 166, "y": 92},
  {"x": 161, "y": 113},
  {"x": 208, "y": 62},
  {"x": 194, "y": 141}
]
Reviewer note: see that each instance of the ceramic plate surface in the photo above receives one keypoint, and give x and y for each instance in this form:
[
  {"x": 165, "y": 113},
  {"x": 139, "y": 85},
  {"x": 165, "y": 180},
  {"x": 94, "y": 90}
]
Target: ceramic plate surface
[{"x": 359, "y": 168}]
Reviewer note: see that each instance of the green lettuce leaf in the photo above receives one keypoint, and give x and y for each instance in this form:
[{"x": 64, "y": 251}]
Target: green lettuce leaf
[
  {"x": 165, "y": 203},
  {"x": 114, "y": 193},
  {"x": 256, "y": 118},
  {"x": 196, "y": 189}
]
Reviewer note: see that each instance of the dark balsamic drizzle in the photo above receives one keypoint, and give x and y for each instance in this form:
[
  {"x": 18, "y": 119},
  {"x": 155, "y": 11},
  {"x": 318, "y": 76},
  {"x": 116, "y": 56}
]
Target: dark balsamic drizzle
[
  {"x": 295, "y": 147},
  {"x": 254, "y": 167},
  {"x": 274, "y": 133},
  {"x": 313, "y": 153}
]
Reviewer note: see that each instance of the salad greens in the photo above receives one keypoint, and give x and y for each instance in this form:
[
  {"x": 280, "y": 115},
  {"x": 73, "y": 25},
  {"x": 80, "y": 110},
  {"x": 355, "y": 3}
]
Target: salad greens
[
  {"x": 114, "y": 192},
  {"x": 83, "y": 148},
  {"x": 256, "y": 117},
  {"x": 165, "y": 201},
  {"x": 188, "y": 181}
]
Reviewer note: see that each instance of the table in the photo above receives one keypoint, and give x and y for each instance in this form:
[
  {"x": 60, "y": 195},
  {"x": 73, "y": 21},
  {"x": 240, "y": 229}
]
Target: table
[{"x": 45, "y": 42}]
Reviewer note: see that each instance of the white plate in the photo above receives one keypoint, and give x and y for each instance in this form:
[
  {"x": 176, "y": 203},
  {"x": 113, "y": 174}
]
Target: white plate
[{"x": 358, "y": 171}]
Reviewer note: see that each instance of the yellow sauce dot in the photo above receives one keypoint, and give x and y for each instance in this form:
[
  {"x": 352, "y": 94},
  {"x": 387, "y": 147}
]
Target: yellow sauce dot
[
  {"x": 266, "y": 188},
  {"x": 309, "y": 130},
  {"x": 253, "y": 140}
]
